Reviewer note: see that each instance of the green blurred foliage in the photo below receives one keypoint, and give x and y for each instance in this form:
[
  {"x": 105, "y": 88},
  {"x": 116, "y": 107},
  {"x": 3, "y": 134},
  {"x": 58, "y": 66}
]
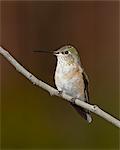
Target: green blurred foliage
[{"x": 30, "y": 117}]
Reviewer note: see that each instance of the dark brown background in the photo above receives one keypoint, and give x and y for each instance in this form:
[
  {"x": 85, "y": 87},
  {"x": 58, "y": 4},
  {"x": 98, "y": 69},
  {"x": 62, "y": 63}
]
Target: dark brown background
[{"x": 30, "y": 117}]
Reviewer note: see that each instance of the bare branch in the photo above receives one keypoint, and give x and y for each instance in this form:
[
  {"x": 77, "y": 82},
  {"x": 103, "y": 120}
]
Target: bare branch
[{"x": 93, "y": 108}]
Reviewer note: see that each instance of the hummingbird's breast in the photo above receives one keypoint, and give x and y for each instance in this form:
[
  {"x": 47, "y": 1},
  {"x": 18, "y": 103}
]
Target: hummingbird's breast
[{"x": 68, "y": 78}]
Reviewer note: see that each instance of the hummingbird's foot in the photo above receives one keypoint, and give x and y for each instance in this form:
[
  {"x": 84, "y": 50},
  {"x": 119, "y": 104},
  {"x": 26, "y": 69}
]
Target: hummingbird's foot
[
  {"x": 60, "y": 93},
  {"x": 73, "y": 100}
]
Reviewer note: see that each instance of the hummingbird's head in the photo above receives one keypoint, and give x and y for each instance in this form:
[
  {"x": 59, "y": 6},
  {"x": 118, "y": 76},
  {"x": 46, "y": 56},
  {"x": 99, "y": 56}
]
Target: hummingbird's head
[{"x": 67, "y": 53}]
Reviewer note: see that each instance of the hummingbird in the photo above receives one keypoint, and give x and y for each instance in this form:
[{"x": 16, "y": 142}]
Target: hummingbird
[{"x": 70, "y": 77}]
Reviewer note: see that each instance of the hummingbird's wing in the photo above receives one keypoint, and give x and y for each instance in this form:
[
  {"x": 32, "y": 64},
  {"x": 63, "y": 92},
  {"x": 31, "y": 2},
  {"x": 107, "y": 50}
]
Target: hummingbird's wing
[
  {"x": 83, "y": 112},
  {"x": 86, "y": 81}
]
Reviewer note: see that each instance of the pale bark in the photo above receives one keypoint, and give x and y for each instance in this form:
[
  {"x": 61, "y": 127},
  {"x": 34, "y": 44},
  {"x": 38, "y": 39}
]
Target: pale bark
[{"x": 93, "y": 108}]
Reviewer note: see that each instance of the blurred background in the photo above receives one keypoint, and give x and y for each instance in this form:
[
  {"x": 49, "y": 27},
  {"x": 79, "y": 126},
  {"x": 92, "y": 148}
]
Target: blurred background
[{"x": 31, "y": 119}]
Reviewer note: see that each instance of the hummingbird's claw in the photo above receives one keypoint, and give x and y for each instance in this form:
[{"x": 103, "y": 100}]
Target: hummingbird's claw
[
  {"x": 73, "y": 100},
  {"x": 60, "y": 93}
]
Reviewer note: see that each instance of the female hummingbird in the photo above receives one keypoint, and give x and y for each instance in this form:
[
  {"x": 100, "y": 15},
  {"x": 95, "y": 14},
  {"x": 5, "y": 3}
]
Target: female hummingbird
[{"x": 71, "y": 78}]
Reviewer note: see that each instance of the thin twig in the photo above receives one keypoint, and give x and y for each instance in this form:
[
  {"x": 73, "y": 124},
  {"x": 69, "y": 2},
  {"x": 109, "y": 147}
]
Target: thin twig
[{"x": 93, "y": 108}]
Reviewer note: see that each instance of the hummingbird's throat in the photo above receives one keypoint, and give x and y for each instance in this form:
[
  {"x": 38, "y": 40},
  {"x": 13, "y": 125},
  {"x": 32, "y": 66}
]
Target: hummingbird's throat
[{"x": 66, "y": 60}]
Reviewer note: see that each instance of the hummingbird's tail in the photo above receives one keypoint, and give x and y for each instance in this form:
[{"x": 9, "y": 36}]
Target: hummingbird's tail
[{"x": 83, "y": 113}]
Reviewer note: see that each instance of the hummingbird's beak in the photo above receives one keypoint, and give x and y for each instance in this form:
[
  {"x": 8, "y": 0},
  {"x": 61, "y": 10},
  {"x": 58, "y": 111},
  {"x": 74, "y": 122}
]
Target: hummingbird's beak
[
  {"x": 56, "y": 53},
  {"x": 41, "y": 51}
]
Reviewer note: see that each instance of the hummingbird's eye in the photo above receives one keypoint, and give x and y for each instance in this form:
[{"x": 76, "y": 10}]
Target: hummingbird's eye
[{"x": 66, "y": 52}]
